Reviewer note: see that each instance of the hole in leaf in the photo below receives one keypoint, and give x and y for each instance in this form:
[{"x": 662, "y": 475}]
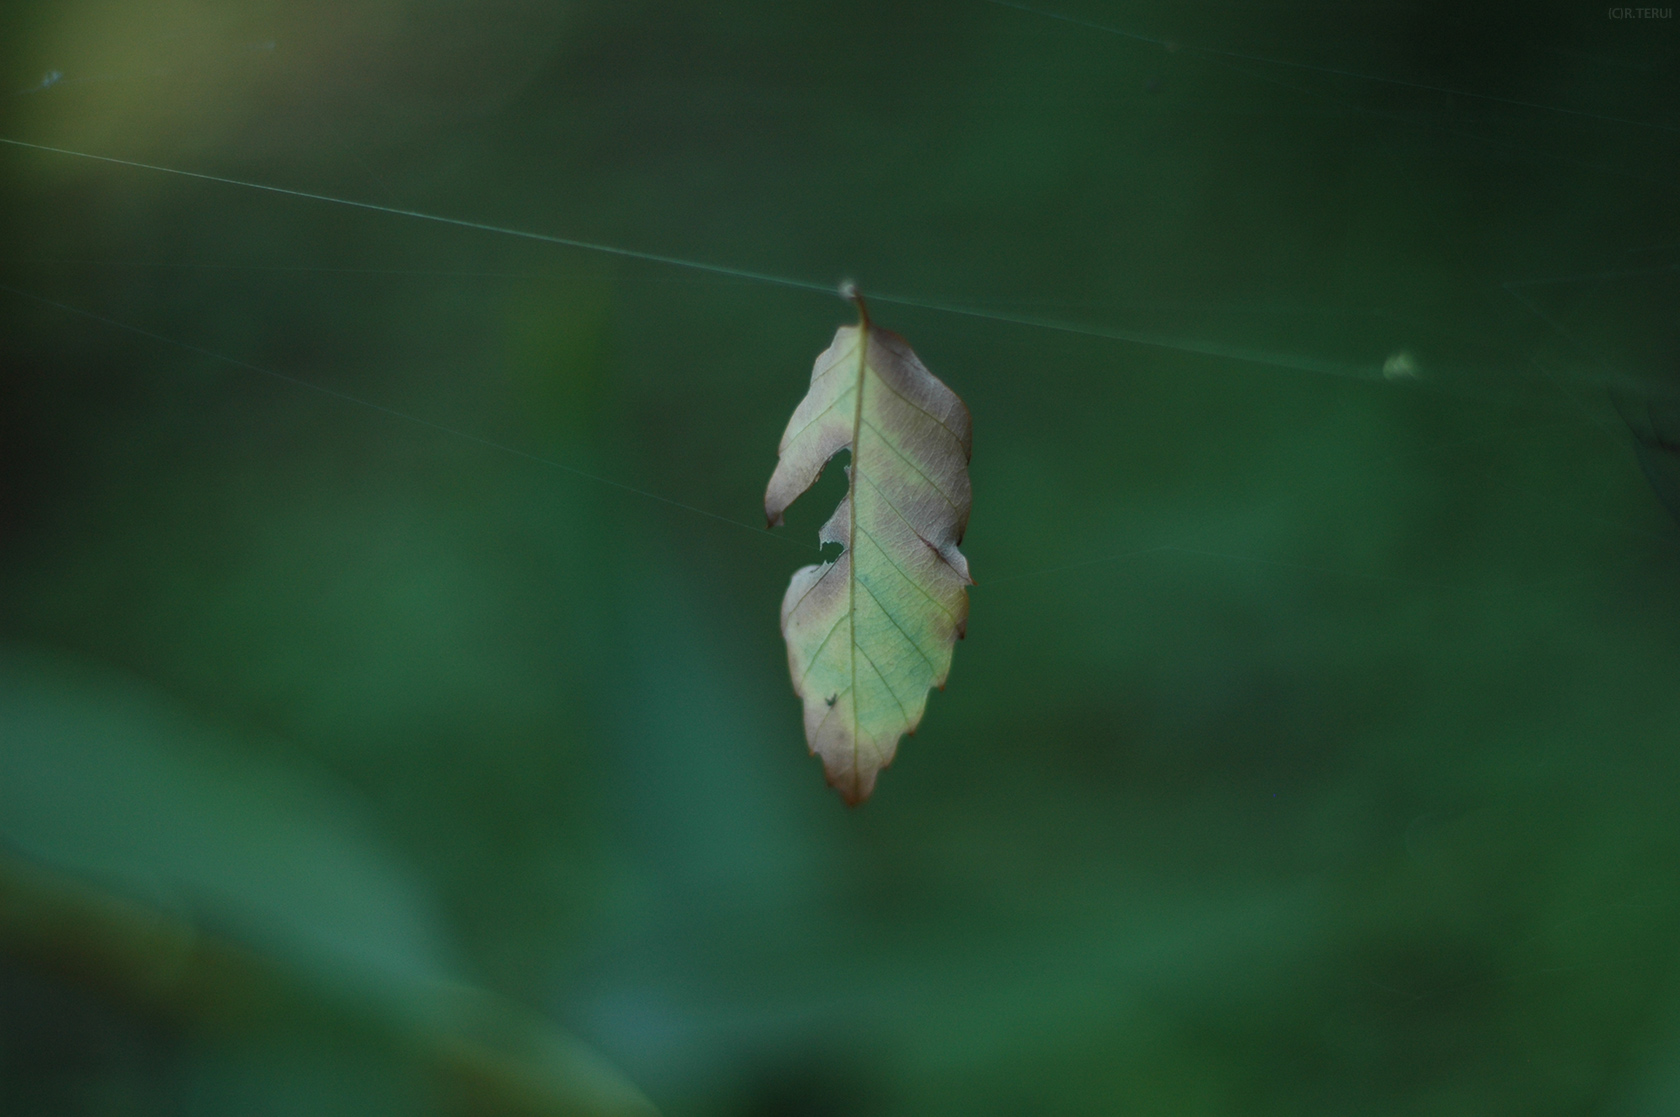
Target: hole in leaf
[{"x": 806, "y": 516}]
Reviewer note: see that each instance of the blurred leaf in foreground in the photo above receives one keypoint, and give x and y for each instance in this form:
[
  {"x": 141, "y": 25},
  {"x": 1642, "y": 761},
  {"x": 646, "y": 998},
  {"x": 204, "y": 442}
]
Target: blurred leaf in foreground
[{"x": 144, "y": 859}]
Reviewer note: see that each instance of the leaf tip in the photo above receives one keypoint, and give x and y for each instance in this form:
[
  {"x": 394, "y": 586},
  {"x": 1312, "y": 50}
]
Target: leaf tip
[{"x": 854, "y": 791}]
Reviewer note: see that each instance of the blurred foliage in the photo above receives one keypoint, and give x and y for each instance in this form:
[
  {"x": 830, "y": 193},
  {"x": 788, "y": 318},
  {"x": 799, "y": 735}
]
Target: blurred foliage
[
  {"x": 1312, "y": 749},
  {"x": 342, "y": 1006}
]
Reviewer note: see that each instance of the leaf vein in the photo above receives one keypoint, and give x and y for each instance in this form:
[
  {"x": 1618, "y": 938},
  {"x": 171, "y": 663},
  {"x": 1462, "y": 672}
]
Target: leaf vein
[
  {"x": 888, "y": 614},
  {"x": 905, "y": 714},
  {"x": 818, "y": 653},
  {"x": 831, "y": 710},
  {"x": 821, "y": 578},
  {"x": 919, "y": 407},
  {"x": 905, "y": 458},
  {"x": 837, "y": 362},
  {"x": 905, "y": 574},
  {"x": 835, "y": 402}
]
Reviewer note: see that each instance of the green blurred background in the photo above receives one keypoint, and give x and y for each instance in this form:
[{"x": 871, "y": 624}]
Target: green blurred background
[{"x": 367, "y": 607}]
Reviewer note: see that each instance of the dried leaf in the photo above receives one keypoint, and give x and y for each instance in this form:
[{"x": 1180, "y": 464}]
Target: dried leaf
[{"x": 870, "y": 632}]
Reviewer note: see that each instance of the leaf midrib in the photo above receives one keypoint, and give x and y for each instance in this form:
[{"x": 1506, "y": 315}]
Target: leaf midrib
[{"x": 851, "y": 528}]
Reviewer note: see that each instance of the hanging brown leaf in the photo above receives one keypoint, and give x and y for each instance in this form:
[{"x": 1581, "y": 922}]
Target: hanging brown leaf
[{"x": 870, "y": 632}]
